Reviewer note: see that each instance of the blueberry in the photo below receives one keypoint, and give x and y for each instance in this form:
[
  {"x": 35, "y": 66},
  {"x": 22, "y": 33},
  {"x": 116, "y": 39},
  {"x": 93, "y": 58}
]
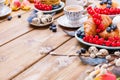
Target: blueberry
[
  {"x": 101, "y": 3},
  {"x": 109, "y": 2},
  {"x": 9, "y": 18},
  {"x": 104, "y": 1},
  {"x": 19, "y": 16},
  {"x": 56, "y": 6},
  {"x": 34, "y": 11},
  {"x": 83, "y": 50},
  {"x": 53, "y": 25},
  {"x": 54, "y": 29},
  {"x": 79, "y": 33},
  {"x": 29, "y": 19},
  {"x": 108, "y": 6},
  {"x": 50, "y": 27},
  {"x": 108, "y": 29},
  {"x": 113, "y": 27},
  {"x": 82, "y": 35}
]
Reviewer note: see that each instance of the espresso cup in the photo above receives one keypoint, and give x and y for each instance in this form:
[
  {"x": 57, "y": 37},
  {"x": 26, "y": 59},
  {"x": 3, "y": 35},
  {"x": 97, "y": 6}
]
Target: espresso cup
[
  {"x": 73, "y": 13},
  {"x": 1, "y": 5}
]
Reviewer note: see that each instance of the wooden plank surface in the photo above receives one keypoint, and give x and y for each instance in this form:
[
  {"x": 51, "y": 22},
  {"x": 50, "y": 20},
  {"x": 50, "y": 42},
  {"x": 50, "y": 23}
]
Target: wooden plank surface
[
  {"x": 57, "y": 67},
  {"x": 24, "y": 51},
  {"x": 9, "y": 30}
]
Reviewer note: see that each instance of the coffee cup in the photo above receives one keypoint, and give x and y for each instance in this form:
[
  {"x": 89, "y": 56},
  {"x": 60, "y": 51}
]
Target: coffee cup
[
  {"x": 73, "y": 13},
  {"x": 1, "y": 5}
]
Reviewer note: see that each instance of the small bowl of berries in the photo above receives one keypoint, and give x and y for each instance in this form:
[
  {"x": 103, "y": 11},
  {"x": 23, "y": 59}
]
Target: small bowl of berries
[{"x": 45, "y": 8}]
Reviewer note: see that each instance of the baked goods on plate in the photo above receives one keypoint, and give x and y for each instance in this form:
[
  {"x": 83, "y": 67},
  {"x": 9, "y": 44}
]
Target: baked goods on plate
[{"x": 100, "y": 30}]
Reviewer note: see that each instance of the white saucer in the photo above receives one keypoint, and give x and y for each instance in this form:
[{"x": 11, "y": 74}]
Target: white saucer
[
  {"x": 63, "y": 21},
  {"x": 5, "y": 11}
]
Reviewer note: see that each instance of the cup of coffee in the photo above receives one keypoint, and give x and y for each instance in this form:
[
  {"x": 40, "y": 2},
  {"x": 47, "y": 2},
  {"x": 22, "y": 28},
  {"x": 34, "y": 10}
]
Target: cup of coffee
[
  {"x": 73, "y": 13},
  {"x": 1, "y": 5}
]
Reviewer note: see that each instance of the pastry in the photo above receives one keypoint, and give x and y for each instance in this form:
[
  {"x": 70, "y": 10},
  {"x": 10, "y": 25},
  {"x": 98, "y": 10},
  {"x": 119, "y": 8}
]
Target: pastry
[
  {"x": 90, "y": 27},
  {"x": 106, "y": 21},
  {"x": 50, "y": 2},
  {"x": 101, "y": 30},
  {"x": 106, "y": 34}
]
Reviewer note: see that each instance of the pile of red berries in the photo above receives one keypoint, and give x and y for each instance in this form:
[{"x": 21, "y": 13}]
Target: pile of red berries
[
  {"x": 97, "y": 19},
  {"x": 44, "y": 7},
  {"x": 114, "y": 42},
  {"x": 108, "y": 11}
]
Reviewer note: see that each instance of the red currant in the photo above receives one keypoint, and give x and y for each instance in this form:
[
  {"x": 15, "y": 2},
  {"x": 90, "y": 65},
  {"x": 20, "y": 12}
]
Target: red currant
[{"x": 108, "y": 43}]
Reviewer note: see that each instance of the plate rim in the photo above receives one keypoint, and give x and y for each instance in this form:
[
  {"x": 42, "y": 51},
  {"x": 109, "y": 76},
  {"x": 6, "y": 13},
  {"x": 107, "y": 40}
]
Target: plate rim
[
  {"x": 90, "y": 44},
  {"x": 8, "y": 12},
  {"x": 62, "y": 6}
]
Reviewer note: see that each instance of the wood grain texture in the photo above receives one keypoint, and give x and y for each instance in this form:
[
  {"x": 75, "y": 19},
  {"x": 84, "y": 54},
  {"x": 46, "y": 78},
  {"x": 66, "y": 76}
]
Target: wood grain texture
[
  {"x": 9, "y": 30},
  {"x": 24, "y": 51},
  {"x": 49, "y": 69}
]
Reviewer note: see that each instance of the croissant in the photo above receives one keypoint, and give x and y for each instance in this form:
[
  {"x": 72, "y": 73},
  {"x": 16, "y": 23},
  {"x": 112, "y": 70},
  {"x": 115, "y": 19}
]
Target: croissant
[
  {"x": 118, "y": 26},
  {"x": 90, "y": 27},
  {"x": 106, "y": 21},
  {"x": 50, "y": 2},
  {"x": 106, "y": 34}
]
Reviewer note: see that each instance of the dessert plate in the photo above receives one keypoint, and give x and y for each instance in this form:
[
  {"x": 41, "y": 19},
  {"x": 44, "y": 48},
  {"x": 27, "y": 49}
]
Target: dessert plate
[
  {"x": 62, "y": 4},
  {"x": 63, "y": 21},
  {"x": 5, "y": 11},
  {"x": 41, "y": 25},
  {"x": 90, "y": 44}
]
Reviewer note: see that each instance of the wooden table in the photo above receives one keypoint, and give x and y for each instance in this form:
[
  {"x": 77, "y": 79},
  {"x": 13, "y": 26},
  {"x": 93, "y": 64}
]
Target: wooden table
[{"x": 20, "y": 51}]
